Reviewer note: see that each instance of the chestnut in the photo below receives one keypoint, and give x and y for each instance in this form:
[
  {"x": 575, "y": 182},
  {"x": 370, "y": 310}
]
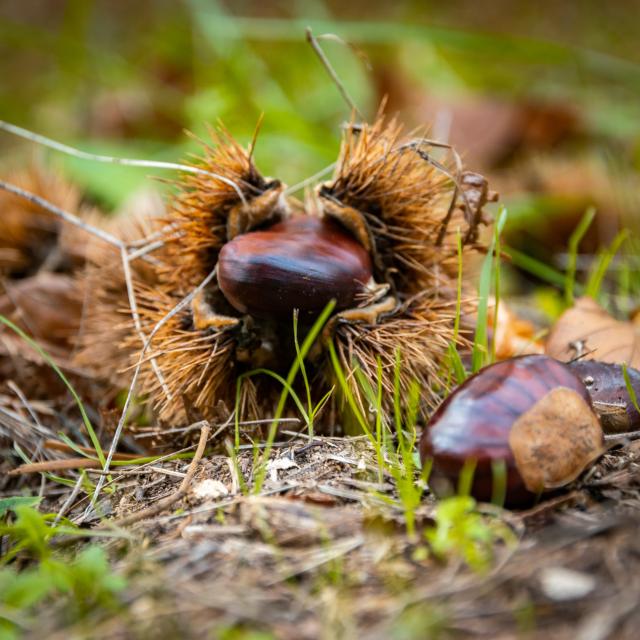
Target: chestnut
[
  {"x": 302, "y": 262},
  {"x": 531, "y": 412},
  {"x": 609, "y": 393}
]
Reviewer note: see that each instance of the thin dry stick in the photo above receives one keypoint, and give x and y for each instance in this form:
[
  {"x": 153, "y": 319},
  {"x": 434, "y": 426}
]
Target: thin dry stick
[
  {"x": 65, "y": 215},
  {"x": 457, "y": 179},
  {"x": 77, "y": 153},
  {"x": 310, "y": 180},
  {"x": 107, "y": 237},
  {"x": 165, "y": 503},
  {"x": 56, "y": 465},
  {"x": 32, "y": 412},
  {"x": 69, "y": 501},
  {"x": 125, "y": 411},
  {"x": 133, "y": 304},
  {"x": 148, "y": 248},
  {"x": 311, "y": 39}
]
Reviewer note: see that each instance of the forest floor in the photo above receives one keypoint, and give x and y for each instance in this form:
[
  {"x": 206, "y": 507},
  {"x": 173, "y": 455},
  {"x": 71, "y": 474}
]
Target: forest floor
[{"x": 323, "y": 552}]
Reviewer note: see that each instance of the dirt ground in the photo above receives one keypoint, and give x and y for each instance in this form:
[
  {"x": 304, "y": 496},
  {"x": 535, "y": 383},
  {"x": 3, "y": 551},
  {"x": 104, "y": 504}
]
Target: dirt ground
[{"x": 322, "y": 553}]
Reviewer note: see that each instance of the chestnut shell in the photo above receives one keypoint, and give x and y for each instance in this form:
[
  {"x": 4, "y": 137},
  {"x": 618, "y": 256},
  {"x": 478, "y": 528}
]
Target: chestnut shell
[
  {"x": 608, "y": 390},
  {"x": 474, "y": 422},
  {"x": 302, "y": 262}
]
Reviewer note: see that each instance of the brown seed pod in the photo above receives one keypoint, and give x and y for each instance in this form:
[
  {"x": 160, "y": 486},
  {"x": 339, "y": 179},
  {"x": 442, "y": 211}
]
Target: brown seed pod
[
  {"x": 609, "y": 393},
  {"x": 303, "y": 262},
  {"x": 389, "y": 212},
  {"x": 531, "y": 413}
]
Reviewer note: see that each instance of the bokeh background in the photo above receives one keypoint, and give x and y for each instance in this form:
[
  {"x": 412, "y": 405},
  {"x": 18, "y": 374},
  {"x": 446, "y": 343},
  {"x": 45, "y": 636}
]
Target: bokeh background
[{"x": 541, "y": 97}]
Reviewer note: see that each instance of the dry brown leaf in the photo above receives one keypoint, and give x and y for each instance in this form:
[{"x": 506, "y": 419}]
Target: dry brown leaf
[
  {"x": 555, "y": 440},
  {"x": 513, "y": 336},
  {"x": 588, "y": 329},
  {"x": 47, "y": 305}
]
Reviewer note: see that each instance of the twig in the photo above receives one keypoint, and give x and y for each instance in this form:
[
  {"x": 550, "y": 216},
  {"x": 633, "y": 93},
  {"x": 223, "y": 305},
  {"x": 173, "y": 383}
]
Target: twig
[
  {"x": 69, "y": 501},
  {"x": 56, "y": 465},
  {"x": 165, "y": 503},
  {"x": 310, "y": 180},
  {"x": 456, "y": 179},
  {"x": 621, "y": 438},
  {"x": 133, "y": 305},
  {"x": 32, "y": 412},
  {"x": 331, "y": 71},
  {"x": 125, "y": 410},
  {"x": 65, "y": 215},
  {"x": 77, "y": 153}
]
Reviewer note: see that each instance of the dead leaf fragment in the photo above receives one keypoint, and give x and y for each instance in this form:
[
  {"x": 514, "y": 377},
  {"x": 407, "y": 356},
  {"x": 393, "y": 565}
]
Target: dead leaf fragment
[
  {"x": 47, "y": 305},
  {"x": 512, "y": 335},
  {"x": 562, "y": 584},
  {"x": 209, "y": 489},
  {"x": 588, "y": 329},
  {"x": 555, "y": 440}
]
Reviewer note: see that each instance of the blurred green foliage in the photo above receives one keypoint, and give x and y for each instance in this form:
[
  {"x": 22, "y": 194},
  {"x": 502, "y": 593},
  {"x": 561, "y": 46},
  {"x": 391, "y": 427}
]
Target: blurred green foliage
[
  {"x": 81, "y": 584},
  {"x": 127, "y": 78}
]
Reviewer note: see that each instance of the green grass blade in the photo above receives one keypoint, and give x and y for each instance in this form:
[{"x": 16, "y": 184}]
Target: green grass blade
[
  {"x": 499, "y": 485},
  {"x": 536, "y": 268},
  {"x": 601, "y": 267},
  {"x": 480, "y": 343},
  {"x": 465, "y": 479},
  {"x": 293, "y": 372},
  {"x": 630, "y": 390},
  {"x": 574, "y": 244},
  {"x": 49, "y": 360},
  {"x": 303, "y": 372},
  {"x": 499, "y": 227},
  {"x": 73, "y": 446},
  {"x": 457, "y": 364}
]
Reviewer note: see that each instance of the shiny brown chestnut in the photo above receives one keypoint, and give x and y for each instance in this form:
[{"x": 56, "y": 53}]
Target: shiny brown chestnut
[
  {"x": 532, "y": 413},
  {"x": 609, "y": 393},
  {"x": 302, "y": 262}
]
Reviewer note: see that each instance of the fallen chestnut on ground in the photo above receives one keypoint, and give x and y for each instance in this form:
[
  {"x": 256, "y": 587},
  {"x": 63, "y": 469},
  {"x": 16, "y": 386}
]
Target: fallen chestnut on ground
[
  {"x": 302, "y": 262},
  {"x": 531, "y": 413},
  {"x": 609, "y": 393}
]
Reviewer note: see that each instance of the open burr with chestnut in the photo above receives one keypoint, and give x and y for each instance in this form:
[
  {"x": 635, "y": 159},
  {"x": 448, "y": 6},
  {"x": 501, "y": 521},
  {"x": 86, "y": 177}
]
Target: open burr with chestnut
[{"x": 379, "y": 239}]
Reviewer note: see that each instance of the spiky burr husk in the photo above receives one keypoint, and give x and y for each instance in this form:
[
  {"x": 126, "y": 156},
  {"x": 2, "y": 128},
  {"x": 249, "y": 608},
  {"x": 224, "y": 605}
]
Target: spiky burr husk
[
  {"x": 29, "y": 234},
  {"x": 201, "y": 345},
  {"x": 39, "y": 255},
  {"x": 104, "y": 343},
  {"x": 186, "y": 359},
  {"x": 410, "y": 205},
  {"x": 202, "y": 212}
]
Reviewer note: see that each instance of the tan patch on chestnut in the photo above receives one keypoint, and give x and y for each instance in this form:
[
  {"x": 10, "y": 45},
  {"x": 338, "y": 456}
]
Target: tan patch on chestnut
[{"x": 555, "y": 440}]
